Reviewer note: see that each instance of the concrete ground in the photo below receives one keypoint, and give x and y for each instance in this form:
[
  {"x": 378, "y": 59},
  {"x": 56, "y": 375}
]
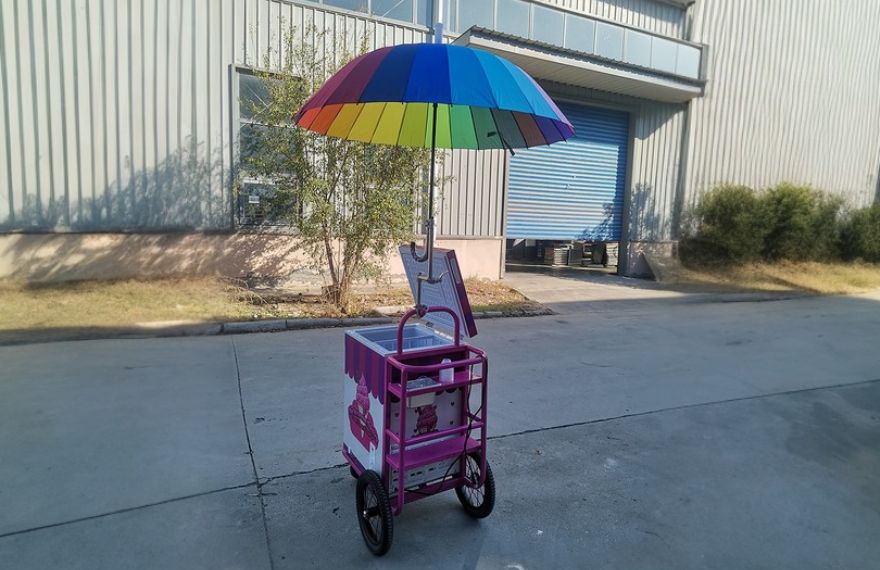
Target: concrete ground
[{"x": 645, "y": 432}]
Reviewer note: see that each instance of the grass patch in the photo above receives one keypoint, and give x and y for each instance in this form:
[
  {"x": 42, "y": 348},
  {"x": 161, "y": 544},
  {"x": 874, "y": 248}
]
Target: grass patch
[
  {"x": 807, "y": 276},
  {"x": 198, "y": 299}
]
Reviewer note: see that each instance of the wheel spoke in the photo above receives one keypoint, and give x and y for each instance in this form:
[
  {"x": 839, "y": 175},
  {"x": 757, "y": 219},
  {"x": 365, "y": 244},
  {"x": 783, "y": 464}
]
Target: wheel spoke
[
  {"x": 477, "y": 489},
  {"x": 371, "y": 515}
]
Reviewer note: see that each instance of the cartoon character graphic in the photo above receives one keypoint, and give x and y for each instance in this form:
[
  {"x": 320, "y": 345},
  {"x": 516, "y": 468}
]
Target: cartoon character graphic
[
  {"x": 427, "y": 420},
  {"x": 360, "y": 419}
]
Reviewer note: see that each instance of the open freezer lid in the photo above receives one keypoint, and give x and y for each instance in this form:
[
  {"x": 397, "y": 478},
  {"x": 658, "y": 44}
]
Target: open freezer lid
[{"x": 449, "y": 292}]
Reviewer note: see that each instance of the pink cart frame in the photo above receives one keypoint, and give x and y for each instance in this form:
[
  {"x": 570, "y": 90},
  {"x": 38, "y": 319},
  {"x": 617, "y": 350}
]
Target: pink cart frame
[{"x": 449, "y": 443}]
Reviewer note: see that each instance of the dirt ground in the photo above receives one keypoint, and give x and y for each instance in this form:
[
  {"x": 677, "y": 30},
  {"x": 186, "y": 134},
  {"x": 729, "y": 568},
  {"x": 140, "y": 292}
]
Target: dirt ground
[
  {"x": 202, "y": 299},
  {"x": 810, "y": 277}
]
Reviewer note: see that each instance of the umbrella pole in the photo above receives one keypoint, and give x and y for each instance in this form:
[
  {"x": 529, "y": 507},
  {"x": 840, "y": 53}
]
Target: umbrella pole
[{"x": 429, "y": 224}]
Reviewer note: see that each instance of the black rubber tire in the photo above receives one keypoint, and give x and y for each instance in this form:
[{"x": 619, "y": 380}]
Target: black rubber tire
[
  {"x": 375, "y": 520},
  {"x": 351, "y": 470},
  {"x": 467, "y": 496}
]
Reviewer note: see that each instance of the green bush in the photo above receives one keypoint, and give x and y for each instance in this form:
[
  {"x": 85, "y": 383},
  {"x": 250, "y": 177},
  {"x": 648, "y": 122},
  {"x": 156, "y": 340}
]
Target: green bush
[
  {"x": 728, "y": 225},
  {"x": 860, "y": 235},
  {"x": 736, "y": 224},
  {"x": 802, "y": 223}
]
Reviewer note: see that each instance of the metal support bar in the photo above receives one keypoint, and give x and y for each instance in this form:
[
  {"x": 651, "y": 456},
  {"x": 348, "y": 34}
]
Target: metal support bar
[{"x": 429, "y": 223}]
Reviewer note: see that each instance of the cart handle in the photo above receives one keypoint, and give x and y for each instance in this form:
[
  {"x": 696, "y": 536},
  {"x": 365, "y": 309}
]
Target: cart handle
[
  {"x": 431, "y": 368},
  {"x": 422, "y": 312}
]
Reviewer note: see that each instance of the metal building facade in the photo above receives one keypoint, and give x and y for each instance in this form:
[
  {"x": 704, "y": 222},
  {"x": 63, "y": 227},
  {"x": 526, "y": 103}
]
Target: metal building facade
[
  {"x": 656, "y": 131},
  {"x": 121, "y": 114},
  {"x": 792, "y": 95},
  {"x": 667, "y": 18}
]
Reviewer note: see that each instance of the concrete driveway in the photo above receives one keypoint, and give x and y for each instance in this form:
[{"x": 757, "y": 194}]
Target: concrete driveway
[{"x": 626, "y": 434}]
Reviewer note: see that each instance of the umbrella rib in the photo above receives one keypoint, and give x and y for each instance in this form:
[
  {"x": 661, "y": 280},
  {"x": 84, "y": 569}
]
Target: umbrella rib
[
  {"x": 521, "y": 133},
  {"x": 500, "y": 135},
  {"x": 379, "y": 120},
  {"x": 400, "y": 126},
  {"x": 504, "y": 143},
  {"x": 488, "y": 82},
  {"x": 562, "y": 137},
  {"x": 474, "y": 123}
]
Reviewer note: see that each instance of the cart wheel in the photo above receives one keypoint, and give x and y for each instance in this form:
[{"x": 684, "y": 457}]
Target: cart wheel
[
  {"x": 351, "y": 470},
  {"x": 374, "y": 513},
  {"x": 478, "y": 502}
]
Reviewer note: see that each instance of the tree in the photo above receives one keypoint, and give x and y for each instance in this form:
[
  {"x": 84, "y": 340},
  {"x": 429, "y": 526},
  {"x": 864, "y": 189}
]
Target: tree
[{"x": 348, "y": 202}]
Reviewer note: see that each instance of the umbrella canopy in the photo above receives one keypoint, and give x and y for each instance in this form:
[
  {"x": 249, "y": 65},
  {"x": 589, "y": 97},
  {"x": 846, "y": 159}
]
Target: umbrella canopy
[
  {"x": 394, "y": 95},
  {"x": 434, "y": 96}
]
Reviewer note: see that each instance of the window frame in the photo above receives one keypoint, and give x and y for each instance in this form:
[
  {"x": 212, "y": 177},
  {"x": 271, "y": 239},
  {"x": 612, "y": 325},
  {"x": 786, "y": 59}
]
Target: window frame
[
  {"x": 241, "y": 176},
  {"x": 370, "y": 13}
]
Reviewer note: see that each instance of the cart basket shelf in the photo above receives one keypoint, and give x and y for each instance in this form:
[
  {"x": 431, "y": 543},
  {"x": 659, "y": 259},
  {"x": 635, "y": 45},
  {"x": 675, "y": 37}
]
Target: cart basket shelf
[{"x": 433, "y": 453}]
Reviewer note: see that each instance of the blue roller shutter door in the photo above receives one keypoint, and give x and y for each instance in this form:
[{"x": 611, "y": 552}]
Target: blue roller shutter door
[{"x": 572, "y": 189}]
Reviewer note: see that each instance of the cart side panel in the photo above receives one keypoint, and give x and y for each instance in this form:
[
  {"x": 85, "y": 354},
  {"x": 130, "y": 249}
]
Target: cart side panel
[
  {"x": 442, "y": 413},
  {"x": 363, "y": 401}
]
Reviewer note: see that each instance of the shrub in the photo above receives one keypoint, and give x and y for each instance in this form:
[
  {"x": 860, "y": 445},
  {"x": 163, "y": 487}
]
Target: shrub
[
  {"x": 736, "y": 224},
  {"x": 860, "y": 235},
  {"x": 802, "y": 223},
  {"x": 727, "y": 226}
]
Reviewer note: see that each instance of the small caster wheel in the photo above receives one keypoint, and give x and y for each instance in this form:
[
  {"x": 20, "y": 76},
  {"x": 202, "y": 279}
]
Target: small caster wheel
[
  {"x": 351, "y": 470},
  {"x": 478, "y": 502},
  {"x": 374, "y": 513}
]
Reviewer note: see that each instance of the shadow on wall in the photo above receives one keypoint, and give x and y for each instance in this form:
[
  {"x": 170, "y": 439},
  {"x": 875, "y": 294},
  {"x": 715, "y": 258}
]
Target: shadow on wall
[
  {"x": 185, "y": 197},
  {"x": 644, "y": 223},
  {"x": 187, "y": 190},
  {"x": 70, "y": 257},
  {"x": 604, "y": 230}
]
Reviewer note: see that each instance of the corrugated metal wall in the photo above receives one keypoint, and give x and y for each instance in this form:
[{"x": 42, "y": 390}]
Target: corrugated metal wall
[
  {"x": 654, "y": 160},
  {"x": 792, "y": 95},
  {"x": 116, "y": 114},
  {"x": 658, "y": 17},
  {"x": 471, "y": 201}
]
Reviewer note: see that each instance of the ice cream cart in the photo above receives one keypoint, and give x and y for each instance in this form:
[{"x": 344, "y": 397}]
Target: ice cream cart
[
  {"x": 414, "y": 420},
  {"x": 411, "y": 429}
]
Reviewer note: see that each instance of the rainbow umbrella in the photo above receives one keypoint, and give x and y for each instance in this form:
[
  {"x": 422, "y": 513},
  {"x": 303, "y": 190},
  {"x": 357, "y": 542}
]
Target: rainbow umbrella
[{"x": 435, "y": 95}]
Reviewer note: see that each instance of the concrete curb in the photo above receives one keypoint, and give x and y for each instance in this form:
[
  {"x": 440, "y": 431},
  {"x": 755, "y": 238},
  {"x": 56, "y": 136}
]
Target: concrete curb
[
  {"x": 758, "y": 297},
  {"x": 253, "y": 326},
  {"x": 214, "y": 329}
]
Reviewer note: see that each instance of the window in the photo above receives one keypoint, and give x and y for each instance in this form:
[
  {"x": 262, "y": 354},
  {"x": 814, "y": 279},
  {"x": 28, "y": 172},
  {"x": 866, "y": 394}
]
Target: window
[
  {"x": 609, "y": 41},
  {"x": 355, "y": 5},
  {"x": 397, "y": 9},
  {"x": 424, "y": 12},
  {"x": 579, "y": 33},
  {"x": 412, "y": 11},
  {"x": 476, "y": 13},
  {"x": 558, "y": 27},
  {"x": 547, "y": 25},
  {"x": 663, "y": 55},
  {"x": 259, "y": 205},
  {"x": 638, "y": 48},
  {"x": 688, "y": 61},
  {"x": 513, "y": 17},
  {"x": 258, "y": 202},
  {"x": 449, "y": 20}
]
